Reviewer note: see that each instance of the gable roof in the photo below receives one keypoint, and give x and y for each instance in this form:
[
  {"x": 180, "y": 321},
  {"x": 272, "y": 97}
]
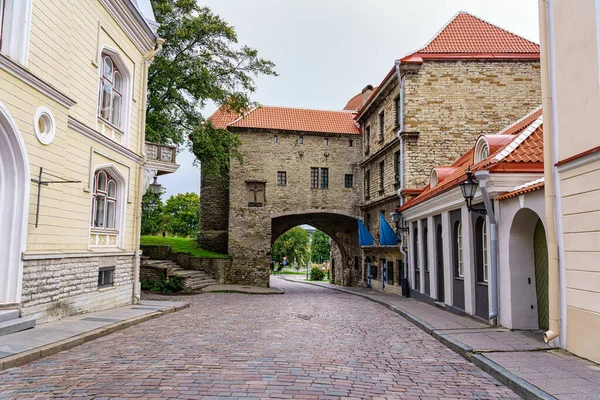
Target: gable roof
[
  {"x": 289, "y": 119},
  {"x": 521, "y": 150},
  {"x": 221, "y": 118},
  {"x": 354, "y": 103},
  {"x": 469, "y": 37}
]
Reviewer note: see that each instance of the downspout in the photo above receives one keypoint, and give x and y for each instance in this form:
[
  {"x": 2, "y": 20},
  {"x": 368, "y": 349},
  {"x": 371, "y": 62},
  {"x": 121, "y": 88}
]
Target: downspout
[
  {"x": 550, "y": 144},
  {"x": 142, "y": 150},
  {"x": 482, "y": 176},
  {"x": 401, "y": 167}
]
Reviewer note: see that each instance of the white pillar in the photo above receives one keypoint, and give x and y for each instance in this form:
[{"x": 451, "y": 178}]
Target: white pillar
[
  {"x": 410, "y": 255},
  {"x": 432, "y": 258},
  {"x": 468, "y": 264},
  {"x": 448, "y": 264},
  {"x": 421, "y": 257}
]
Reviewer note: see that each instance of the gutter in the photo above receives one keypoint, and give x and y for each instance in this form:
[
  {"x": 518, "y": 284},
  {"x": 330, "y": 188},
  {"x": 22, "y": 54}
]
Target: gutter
[
  {"x": 401, "y": 167},
  {"x": 552, "y": 208},
  {"x": 142, "y": 150},
  {"x": 483, "y": 176}
]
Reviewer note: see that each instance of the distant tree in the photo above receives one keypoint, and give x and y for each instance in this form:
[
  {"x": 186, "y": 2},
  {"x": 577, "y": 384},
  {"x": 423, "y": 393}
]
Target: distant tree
[
  {"x": 293, "y": 244},
  {"x": 182, "y": 214},
  {"x": 152, "y": 214},
  {"x": 320, "y": 248},
  {"x": 200, "y": 61}
]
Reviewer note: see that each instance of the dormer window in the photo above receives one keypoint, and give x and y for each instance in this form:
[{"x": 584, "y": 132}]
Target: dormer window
[
  {"x": 111, "y": 93},
  {"x": 482, "y": 150},
  {"x": 433, "y": 180}
]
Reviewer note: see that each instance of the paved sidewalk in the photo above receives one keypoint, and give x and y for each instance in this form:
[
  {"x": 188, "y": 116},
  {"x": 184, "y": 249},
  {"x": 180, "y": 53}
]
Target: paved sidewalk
[
  {"x": 517, "y": 359},
  {"x": 23, "y": 347}
]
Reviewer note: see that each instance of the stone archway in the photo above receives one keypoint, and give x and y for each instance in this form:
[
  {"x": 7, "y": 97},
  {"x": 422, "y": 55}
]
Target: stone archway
[
  {"x": 14, "y": 199},
  {"x": 524, "y": 303}
]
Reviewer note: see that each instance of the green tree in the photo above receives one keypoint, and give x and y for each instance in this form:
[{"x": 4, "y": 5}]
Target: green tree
[
  {"x": 320, "y": 248},
  {"x": 293, "y": 244},
  {"x": 152, "y": 214},
  {"x": 182, "y": 214},
  {"x": 200, "y": 61}
]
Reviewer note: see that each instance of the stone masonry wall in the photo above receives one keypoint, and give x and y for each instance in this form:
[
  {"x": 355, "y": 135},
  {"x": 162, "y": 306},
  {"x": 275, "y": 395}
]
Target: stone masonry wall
[
  {"x": 58, "y": 287},
  {"x": 250, "y": 227},
  {"x": 450, "y": 103},
  {"x": 214, "y": 214}
]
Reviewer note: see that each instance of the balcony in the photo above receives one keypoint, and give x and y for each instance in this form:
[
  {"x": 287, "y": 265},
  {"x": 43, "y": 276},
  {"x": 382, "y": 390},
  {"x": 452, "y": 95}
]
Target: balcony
[{"x": 161, "y": 158}]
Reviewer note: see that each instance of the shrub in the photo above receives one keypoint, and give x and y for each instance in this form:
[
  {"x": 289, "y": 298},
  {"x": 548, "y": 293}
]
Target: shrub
[
  {"x": 165, "y": 285},
  {"x": 316, "y": 274}
]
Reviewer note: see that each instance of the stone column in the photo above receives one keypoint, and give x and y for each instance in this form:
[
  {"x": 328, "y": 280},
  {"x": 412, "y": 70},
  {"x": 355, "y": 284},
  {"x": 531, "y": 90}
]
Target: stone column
[
  {"x": 448, "y": 264},
  {"x": 468, "y": 257}
]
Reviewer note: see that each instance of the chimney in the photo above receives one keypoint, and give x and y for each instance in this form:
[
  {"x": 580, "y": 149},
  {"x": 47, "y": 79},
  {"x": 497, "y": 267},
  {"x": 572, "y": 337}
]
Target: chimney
[{"x": 366, "y": 94}]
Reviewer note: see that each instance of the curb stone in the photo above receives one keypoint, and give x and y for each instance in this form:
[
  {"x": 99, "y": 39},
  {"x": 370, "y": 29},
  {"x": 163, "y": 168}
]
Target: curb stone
[
  {"x": 518, "y": 385},
  {"x": 25, "y": 357}
]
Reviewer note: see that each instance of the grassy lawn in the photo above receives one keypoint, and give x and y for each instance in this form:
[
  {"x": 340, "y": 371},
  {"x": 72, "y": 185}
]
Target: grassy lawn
[{"x": 181, "y": 245}]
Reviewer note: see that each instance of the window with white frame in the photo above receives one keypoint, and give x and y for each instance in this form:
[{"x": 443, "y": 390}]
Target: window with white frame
[
  {"x": 104, "y": 201},
  {"x": 484, "y": 254},
  {"x": 110, "y": 94},
  {"x": 15, "y": 27},
  {"x": 459, "y": 249}
]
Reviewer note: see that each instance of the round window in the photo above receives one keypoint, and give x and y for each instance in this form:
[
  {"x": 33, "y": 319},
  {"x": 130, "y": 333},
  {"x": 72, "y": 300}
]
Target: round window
[{"x": 44, "y": 126}]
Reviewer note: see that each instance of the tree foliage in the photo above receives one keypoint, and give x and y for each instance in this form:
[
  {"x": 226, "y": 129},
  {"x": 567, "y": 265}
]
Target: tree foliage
[
  {"x": 294, "y": 244},
  {"x": 182, "y": 214},
  {"x": 152, "y": 215},
  {"x": 320, "y": 248},
  {"x": 200, "y": 61}
]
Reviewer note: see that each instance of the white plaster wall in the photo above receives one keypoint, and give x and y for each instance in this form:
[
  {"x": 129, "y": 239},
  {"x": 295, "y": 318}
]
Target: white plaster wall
[{"x": 468, "y": 257}]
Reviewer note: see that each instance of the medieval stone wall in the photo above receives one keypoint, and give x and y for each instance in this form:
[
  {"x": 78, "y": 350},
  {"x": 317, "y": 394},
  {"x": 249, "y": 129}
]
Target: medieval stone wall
[
  {"x": 450, "y": 103},
  {"x": 250, "y": 228},
  {"x": 214, "y": 214}
]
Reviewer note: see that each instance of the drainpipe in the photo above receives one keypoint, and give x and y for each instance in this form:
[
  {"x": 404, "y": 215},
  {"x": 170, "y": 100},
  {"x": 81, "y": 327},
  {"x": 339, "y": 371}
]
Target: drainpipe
[
  {"x": 483, "y": 176},
  {"x": 553, "y": 218},
  {"x": 142, "y": 150},
  {"x": 401, "y": 167}
]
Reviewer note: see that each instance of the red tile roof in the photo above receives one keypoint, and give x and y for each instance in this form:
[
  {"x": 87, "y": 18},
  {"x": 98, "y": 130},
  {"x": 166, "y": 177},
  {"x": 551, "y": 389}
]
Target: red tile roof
[
  {"x": 526, "y": 189},
  {"x": 354, "y": 103},
  {"x": 299, "y": 120},
  {"x": 467, "y": 36},
  {"x": 221, "y": 118},
  {"x": 501, "y": 159}
]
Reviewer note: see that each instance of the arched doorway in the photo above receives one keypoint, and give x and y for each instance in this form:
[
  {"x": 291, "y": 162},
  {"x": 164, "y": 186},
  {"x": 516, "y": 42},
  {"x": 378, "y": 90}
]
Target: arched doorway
[
  {"x": 439, "y": 249},
  {"x": 528, "y": 264},
  {"x": 14, "y": 198},
  {"x": 540, "y": 255}
]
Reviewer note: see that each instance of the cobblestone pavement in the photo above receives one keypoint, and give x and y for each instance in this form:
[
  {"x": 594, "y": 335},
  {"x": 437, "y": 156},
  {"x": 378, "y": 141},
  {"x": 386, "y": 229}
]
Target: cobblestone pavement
[{"x": 311, "y": 343}]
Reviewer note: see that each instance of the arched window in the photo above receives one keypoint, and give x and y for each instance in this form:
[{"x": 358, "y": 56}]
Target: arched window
[
  {"x": 484, "y": 247},
  {"x": 104, "y": 201},
  {"x": 110, "y": 94},
  {"x": 459, "y": 250}
]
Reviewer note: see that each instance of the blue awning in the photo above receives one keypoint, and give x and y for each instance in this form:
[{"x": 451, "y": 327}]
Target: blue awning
[
  {"x": 387, "y": 234},
  {"x": 364, "y": 236}
]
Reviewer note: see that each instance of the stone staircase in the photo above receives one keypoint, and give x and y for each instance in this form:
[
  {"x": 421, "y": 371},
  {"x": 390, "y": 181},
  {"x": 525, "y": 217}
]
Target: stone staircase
[
  {"x": 11, "y": 321},
  {"x": 191, "y": 279}
]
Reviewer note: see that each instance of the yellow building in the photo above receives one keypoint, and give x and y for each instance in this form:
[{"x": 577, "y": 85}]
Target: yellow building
[
  {"x": 570, "y": 36},
  {"x": 72, "y": 111}
]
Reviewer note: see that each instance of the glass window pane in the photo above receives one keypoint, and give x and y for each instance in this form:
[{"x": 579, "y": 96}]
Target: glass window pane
[
  {"x": 117, "y": 81},
  {"x": 100, "y": 203},
  {"x": 102, "y": 181},
  {"x": 116, "y": 112},
  {"x": 110, "y": 215},
  {"x": 106, "y": 98},
  {"x": 108, "y": 68},
  {"x": 112, "y": 189}
]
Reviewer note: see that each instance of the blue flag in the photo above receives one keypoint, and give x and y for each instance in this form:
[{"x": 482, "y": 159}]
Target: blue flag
[
  {"x": 364, "y": 236},
  {"x": 387, "y": 234}
]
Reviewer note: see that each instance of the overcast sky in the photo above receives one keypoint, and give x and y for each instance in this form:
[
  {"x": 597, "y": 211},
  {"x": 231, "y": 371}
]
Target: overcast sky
[{"x": 326, "y": 51}]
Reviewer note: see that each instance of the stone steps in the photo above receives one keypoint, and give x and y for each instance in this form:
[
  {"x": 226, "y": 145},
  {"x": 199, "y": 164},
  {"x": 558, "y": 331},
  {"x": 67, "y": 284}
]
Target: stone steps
[
  {"x": 11, "y": 323},
  {"x": 191, "y": 279}
]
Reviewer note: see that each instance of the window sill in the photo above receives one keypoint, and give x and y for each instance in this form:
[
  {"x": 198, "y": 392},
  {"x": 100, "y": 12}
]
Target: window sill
[
  {"x": 106, "y": 231},
  {"x": 460, "y": 278},
  {"x": 107, "y": 288},
  {"x": 482, "y": 283},
  {"x": 381, "y": 191}
]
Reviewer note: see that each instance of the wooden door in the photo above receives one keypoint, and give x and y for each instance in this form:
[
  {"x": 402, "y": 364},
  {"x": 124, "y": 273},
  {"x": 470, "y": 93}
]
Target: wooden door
[{"x": 540, "y": 251}]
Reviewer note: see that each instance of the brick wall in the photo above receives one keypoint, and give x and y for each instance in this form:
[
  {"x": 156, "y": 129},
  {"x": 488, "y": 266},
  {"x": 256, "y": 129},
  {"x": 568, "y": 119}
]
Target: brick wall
[{"x": 58, "y": 287}]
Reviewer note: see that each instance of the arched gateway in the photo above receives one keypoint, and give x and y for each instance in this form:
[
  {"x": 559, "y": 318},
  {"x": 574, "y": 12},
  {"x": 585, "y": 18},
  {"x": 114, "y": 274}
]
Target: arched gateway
[
  {"x": 296, "y": 170},
  {"x": 14, "y": 198}
]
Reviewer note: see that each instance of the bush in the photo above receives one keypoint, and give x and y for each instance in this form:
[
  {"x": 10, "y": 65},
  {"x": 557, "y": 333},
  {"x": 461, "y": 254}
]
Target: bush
[
  {"x": 316, "y": 274},
  {"x": 165, "y": 285}
]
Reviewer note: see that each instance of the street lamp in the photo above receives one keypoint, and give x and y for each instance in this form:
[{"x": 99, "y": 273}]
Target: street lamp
[
  {"x": 155, "y": 189},
  {"x": 468, "y": 189},
  {"x": 398, "y": 220}
]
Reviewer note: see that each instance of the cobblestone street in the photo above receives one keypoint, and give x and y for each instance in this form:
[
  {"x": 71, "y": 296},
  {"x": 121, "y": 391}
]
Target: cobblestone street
[{"x": 310, "y": 343}]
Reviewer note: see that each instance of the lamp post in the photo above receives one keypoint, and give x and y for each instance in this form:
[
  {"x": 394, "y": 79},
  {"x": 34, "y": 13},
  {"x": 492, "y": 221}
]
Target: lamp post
[
  {"x": 400, "y": 229},
  {"x": 155, "y": 189}
]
